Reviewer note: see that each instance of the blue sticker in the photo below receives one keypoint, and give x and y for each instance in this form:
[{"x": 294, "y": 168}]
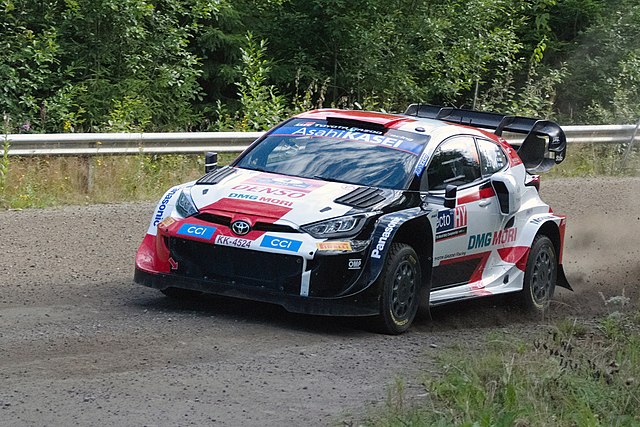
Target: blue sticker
[
  {"x": 445, "y": 220},
  {"x": 195, "y": 230},
  {"x": 451, "y": 223},
  {"x": 280, "y": 243},
  {"x": 422, "y": 163}
]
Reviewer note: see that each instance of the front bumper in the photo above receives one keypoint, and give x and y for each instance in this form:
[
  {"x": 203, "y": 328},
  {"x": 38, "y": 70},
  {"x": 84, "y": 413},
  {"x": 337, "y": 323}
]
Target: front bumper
[
  {"x": 327, "y": 283},
  {"x": 363, "y": 303}
]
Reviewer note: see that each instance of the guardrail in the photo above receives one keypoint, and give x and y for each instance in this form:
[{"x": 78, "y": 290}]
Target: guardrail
[{"x": 93, "y": 144}]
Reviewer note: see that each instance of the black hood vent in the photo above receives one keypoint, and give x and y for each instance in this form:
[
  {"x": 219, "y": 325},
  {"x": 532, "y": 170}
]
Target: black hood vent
[
  {"x": 362, "y": 197},
  {"x": 216, "y": 176}
]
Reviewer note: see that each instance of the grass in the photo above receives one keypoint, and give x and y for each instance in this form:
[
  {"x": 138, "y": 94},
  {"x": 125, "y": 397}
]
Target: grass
[
  {"x": 599, "y": 159},
  {"x": 49, "y": 181},
  {"x": 573, "y": 373}
]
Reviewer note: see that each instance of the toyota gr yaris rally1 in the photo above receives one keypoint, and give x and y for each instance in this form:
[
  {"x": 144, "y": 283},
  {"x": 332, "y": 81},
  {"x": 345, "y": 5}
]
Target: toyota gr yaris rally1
[{"x": 352, "y": 213}]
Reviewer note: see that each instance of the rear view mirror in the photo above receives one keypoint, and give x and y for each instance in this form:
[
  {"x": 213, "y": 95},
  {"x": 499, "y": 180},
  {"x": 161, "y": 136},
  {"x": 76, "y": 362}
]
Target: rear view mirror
[
  {"x": 210, "y": 161},
  {"x": 507, "y": 192},
  {"x": 450, "y": 196}
]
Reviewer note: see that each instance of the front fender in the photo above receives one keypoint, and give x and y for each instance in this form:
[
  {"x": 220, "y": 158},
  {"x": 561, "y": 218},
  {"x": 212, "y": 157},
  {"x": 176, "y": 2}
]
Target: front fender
[
  {"x": 386, "y": 229},
  {"x": 164, "y": 207}
]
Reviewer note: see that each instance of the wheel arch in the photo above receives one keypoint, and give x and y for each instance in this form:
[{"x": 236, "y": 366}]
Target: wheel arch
[
  {"x": 413, "y": 227},
  {"x": 554, "y": 230},
  {"x": 417, "y": 233}
]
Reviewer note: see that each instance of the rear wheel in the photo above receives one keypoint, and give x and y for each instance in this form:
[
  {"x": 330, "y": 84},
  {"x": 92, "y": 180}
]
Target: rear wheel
[
  {"x": 400, "y": 289},
  {"x": 540, "y": 275},
  {"x": 179, "y": 293}
]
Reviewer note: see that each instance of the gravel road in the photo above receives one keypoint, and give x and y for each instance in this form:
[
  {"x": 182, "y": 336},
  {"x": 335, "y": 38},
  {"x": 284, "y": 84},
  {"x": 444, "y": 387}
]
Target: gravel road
[{"x": 81, "y": 345}]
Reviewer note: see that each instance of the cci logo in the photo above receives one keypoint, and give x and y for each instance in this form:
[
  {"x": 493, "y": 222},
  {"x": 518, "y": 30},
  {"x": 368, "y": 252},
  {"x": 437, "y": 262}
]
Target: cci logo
[
  {"x": 194, "y": 230},
  {"x": 279, "y": 243}
]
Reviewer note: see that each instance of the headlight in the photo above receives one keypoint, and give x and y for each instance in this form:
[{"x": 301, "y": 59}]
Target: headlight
[
  {"x": 337, "y": 227},
  {"x": 185, "y": 205}
]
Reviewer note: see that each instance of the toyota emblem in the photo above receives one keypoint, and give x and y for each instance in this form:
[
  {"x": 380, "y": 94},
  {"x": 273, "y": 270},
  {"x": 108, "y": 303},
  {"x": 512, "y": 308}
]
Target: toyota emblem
[{"x": 240, "y": 227}]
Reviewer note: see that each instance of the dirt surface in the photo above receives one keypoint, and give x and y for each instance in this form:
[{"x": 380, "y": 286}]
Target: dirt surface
[{"x": 81, "y": 345}]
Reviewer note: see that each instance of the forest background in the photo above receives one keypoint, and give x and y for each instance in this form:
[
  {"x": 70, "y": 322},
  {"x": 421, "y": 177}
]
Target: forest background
[{"x": 212, "y": 65}]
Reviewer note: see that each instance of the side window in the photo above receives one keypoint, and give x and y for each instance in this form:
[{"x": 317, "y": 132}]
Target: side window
[
  {"x": 492, "y": 157},
  {"x": 454, "y": 162}
]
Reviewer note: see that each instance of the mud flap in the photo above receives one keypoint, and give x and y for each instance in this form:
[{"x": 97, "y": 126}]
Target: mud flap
[
  {"x": 424, "y": 307},
  {"x": 561, "y": 279}
]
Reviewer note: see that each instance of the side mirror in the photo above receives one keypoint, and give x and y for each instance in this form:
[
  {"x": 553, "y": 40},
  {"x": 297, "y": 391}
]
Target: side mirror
[
  {"x": 210, "y": 161},
  {"x": 450, "y": 196},
  {"x": 508, "y": 193}
]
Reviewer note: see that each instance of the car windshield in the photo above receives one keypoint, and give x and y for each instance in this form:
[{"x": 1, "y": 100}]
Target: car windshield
[{"x": 317, "y": 149}]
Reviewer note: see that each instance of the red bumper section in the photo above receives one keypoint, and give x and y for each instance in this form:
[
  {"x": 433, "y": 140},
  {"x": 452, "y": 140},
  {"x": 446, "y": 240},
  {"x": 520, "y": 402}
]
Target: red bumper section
[{"x": 153, "y": 255}]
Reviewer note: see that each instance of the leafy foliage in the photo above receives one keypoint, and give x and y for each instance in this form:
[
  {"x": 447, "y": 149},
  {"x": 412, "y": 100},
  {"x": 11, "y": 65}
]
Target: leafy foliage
[
  {"x": 145, "y": 65},
  {"x": 604, "y": 68},
  {"x": 70, "y": 65},
  {"x": 262, "y": 107}
]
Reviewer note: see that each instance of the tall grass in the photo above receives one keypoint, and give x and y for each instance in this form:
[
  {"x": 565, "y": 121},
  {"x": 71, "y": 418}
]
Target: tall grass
[
  {"x": 599, "y": 159},
  {"x": 573, "y": 373},
  {"x": 49, "y": 181}
]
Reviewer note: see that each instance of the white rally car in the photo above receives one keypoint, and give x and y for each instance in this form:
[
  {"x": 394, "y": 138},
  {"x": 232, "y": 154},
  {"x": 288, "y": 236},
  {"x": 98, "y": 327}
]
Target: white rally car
[{"x": 352, "y": 213}]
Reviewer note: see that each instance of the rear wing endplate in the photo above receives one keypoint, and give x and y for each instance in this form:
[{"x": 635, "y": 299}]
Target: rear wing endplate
[{"x": 544, "y": 145}]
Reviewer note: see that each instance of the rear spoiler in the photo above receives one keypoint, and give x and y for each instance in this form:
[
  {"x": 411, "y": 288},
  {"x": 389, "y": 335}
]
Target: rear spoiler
[{"x": 544, "y": 145}]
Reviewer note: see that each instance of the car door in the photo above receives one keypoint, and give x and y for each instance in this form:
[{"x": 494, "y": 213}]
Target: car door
[{"x": 464, "y": 233}]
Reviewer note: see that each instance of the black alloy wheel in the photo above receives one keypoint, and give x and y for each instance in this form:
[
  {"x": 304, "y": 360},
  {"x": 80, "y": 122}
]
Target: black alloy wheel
[
  {"x": 400, "y": 282},
  {"x": 540, "y": 275}
]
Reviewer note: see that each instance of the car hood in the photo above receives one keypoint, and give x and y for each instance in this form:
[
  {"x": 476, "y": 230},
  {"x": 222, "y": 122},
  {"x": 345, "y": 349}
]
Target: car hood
[{"x": 282, "y": 198}]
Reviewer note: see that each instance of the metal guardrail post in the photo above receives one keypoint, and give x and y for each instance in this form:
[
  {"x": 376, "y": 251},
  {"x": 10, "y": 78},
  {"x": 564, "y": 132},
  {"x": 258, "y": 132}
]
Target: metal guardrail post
[
  {"x": 623, "y": 163},
  {"x": 89, "y": 166}
]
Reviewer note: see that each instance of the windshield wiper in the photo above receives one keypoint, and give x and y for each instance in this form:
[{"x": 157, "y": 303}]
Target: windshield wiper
[
  {"x": 323, "y": 178},
  {"x": 261, "y": 169},
  {"x": 257, "y": 169}
]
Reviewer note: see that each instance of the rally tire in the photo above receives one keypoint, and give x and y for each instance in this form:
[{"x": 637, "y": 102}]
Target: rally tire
[
  {"x": 179, "y": 293},
  {"x": 540, "y": 276},
  {"x": 400, "y": 282}
]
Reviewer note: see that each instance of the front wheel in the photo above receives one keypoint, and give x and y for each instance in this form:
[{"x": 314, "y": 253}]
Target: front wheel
[
  {"x": 540, "y": 275},
  {"x": 400, "y": 282}
]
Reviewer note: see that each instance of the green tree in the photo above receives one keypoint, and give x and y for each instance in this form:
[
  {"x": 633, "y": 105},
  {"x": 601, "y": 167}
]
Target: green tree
[
  {"x": 72, "y": 63},
  {"x": 604, "y": 67},
  {"x": 262, "y": 107},
  {"x": 386, "y": 54},
  {"x": 29, "y": 64},
  {"x": 143, "y": 65}
]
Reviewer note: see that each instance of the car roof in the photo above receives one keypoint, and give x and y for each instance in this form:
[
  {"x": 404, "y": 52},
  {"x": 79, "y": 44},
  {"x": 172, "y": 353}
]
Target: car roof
[
  {"x": 389, "y": 121},
  {"x": 437, "y": 130}
]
